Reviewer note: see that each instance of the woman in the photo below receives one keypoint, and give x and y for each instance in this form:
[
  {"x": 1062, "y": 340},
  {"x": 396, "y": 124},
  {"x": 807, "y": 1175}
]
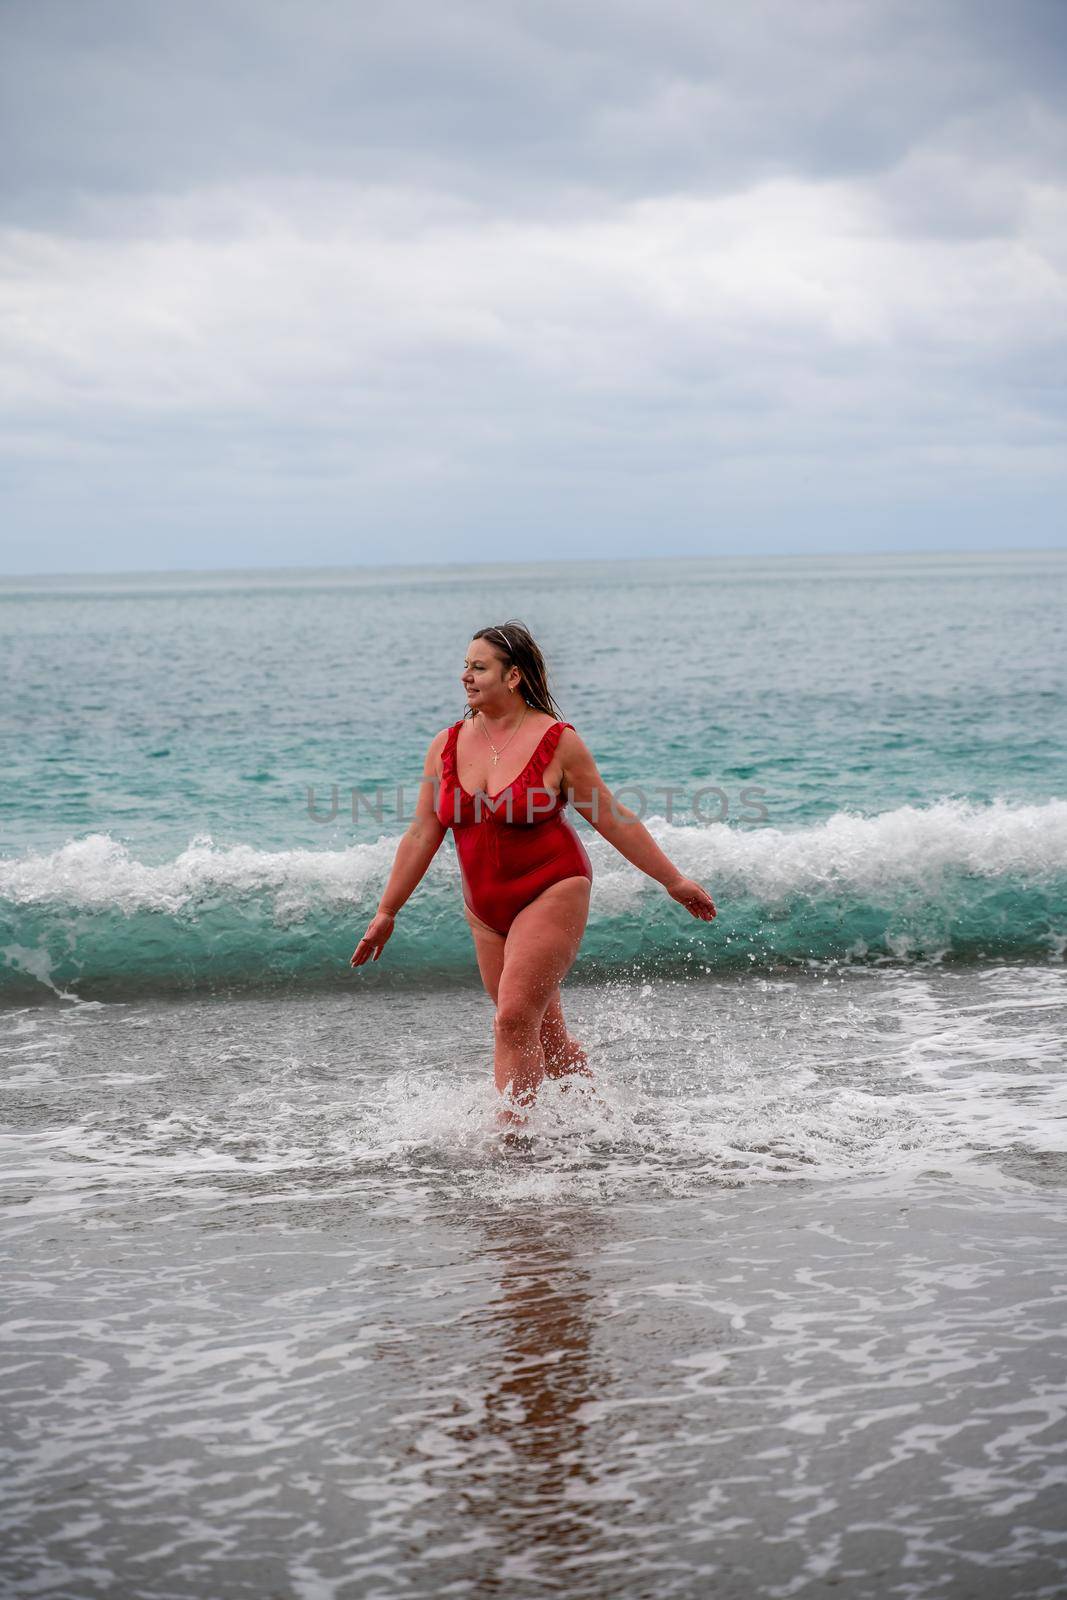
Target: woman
[{"x": 525, "y": 872}]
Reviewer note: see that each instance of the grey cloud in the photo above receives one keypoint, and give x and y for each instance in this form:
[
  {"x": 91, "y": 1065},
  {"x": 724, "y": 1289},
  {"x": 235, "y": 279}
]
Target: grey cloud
[{"x": 516, "y": 105}]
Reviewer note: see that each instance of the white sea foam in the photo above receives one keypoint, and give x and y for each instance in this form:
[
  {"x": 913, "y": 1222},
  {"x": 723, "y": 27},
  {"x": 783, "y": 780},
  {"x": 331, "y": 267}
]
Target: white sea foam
[
  {"x": 909, "y": 848},
  {"x": 100, "y": 873}
]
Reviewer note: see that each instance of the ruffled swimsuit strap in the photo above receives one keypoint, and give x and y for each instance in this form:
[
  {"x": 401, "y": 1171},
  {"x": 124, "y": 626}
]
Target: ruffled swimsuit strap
[
  {"x": 542, "y": 756},
  {"x": 449, "y": 780},
  {"x": 448, "y": 754}
]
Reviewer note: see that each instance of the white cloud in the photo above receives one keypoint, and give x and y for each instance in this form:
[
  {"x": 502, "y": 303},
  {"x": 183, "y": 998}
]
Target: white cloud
[{"x": 325, "y": 286}]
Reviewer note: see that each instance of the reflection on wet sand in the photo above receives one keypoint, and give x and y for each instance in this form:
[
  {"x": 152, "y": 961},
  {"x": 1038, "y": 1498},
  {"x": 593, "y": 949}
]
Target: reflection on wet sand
[
  {"x": 544, "y": 1373},
  {"x": 516, "y": 1448}
]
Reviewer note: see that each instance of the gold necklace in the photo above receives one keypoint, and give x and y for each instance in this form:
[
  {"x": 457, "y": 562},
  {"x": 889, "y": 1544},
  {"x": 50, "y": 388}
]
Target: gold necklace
[{"x": 507, "y": 741}]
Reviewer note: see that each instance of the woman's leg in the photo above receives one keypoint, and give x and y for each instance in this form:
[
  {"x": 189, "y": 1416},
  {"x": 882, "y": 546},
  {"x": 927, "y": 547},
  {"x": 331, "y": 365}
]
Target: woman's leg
[
  {"x": 539, "y": 951},
  {"x": 563, "y": 1054},
  {"x": 489, "y": 948}
]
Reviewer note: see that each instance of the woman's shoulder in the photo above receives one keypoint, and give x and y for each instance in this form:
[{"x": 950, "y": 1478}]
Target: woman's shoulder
[
  {"x": 546, "y": 724},
  {"x": 571, "y": 747}
]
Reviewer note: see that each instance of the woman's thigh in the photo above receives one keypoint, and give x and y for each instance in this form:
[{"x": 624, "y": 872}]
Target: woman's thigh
[
  {"x": 489, "y": 948},
  {"x": 542, "y": 943}
]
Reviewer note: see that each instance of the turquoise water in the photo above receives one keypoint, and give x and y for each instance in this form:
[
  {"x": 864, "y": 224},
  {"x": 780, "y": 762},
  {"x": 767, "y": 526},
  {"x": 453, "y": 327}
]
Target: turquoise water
[{"x": 879, "y": 740}]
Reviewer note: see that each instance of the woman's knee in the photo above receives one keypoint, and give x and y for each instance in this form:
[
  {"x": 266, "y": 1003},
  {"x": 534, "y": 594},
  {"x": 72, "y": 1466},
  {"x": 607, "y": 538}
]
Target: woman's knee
[{"x": 517, "y": 1015}]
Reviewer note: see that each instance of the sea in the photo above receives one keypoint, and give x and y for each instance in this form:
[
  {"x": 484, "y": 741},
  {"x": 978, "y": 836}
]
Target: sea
[{"x": 773, "y": 1307}]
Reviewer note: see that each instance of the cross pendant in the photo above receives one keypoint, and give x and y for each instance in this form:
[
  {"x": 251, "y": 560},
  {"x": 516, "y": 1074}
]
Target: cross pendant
[{"x": 495, "y": 760}]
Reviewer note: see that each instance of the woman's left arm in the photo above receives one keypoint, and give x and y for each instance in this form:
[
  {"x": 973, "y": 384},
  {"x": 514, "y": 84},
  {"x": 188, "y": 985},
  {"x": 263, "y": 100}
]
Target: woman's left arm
[{"x": 587, "y": 792}]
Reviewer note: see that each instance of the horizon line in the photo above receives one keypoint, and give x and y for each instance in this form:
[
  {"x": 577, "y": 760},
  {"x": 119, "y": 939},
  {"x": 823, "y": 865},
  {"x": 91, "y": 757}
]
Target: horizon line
[{"x": 392, "y": 566}]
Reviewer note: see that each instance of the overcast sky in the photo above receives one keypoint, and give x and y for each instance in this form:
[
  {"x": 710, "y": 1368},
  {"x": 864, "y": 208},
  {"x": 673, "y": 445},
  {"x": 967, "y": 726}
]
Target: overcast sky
[{"x": 311, "y": 283}]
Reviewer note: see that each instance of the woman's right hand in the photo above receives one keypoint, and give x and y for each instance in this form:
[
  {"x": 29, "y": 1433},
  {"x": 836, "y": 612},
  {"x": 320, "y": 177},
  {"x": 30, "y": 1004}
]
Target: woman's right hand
[
  {"x": 374, "y": 940},
  {"x": 693, "y": 896}
]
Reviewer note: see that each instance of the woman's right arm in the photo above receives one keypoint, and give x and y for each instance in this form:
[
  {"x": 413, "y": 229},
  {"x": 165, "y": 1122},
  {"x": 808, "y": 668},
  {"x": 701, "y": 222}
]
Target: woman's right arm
[{"x": 417, "y": 848}]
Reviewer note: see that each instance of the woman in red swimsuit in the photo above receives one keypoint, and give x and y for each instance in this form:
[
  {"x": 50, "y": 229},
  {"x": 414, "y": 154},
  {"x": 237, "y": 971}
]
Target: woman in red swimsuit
[{"x": 525, "y": 872}]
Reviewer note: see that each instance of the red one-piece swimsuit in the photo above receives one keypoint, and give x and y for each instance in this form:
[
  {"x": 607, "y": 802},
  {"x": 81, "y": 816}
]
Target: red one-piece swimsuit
[{"x": 513, "y": 844}]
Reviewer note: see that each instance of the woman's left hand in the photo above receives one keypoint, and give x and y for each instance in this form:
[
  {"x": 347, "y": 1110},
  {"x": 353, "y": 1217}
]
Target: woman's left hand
[{"x": 690, "y": 895}]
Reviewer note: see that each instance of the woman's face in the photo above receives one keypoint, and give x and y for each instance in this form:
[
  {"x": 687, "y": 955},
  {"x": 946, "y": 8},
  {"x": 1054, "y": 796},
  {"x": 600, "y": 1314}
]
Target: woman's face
[{"x": 483, "y": 677}]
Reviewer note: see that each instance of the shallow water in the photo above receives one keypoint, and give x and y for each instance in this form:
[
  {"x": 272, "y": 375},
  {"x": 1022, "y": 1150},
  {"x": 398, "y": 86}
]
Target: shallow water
[{"x": 779, "y": 1309}]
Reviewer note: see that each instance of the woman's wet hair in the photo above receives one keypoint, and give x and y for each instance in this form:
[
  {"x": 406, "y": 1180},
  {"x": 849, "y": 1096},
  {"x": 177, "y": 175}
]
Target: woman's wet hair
[{"x": 517, "y": 645}]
